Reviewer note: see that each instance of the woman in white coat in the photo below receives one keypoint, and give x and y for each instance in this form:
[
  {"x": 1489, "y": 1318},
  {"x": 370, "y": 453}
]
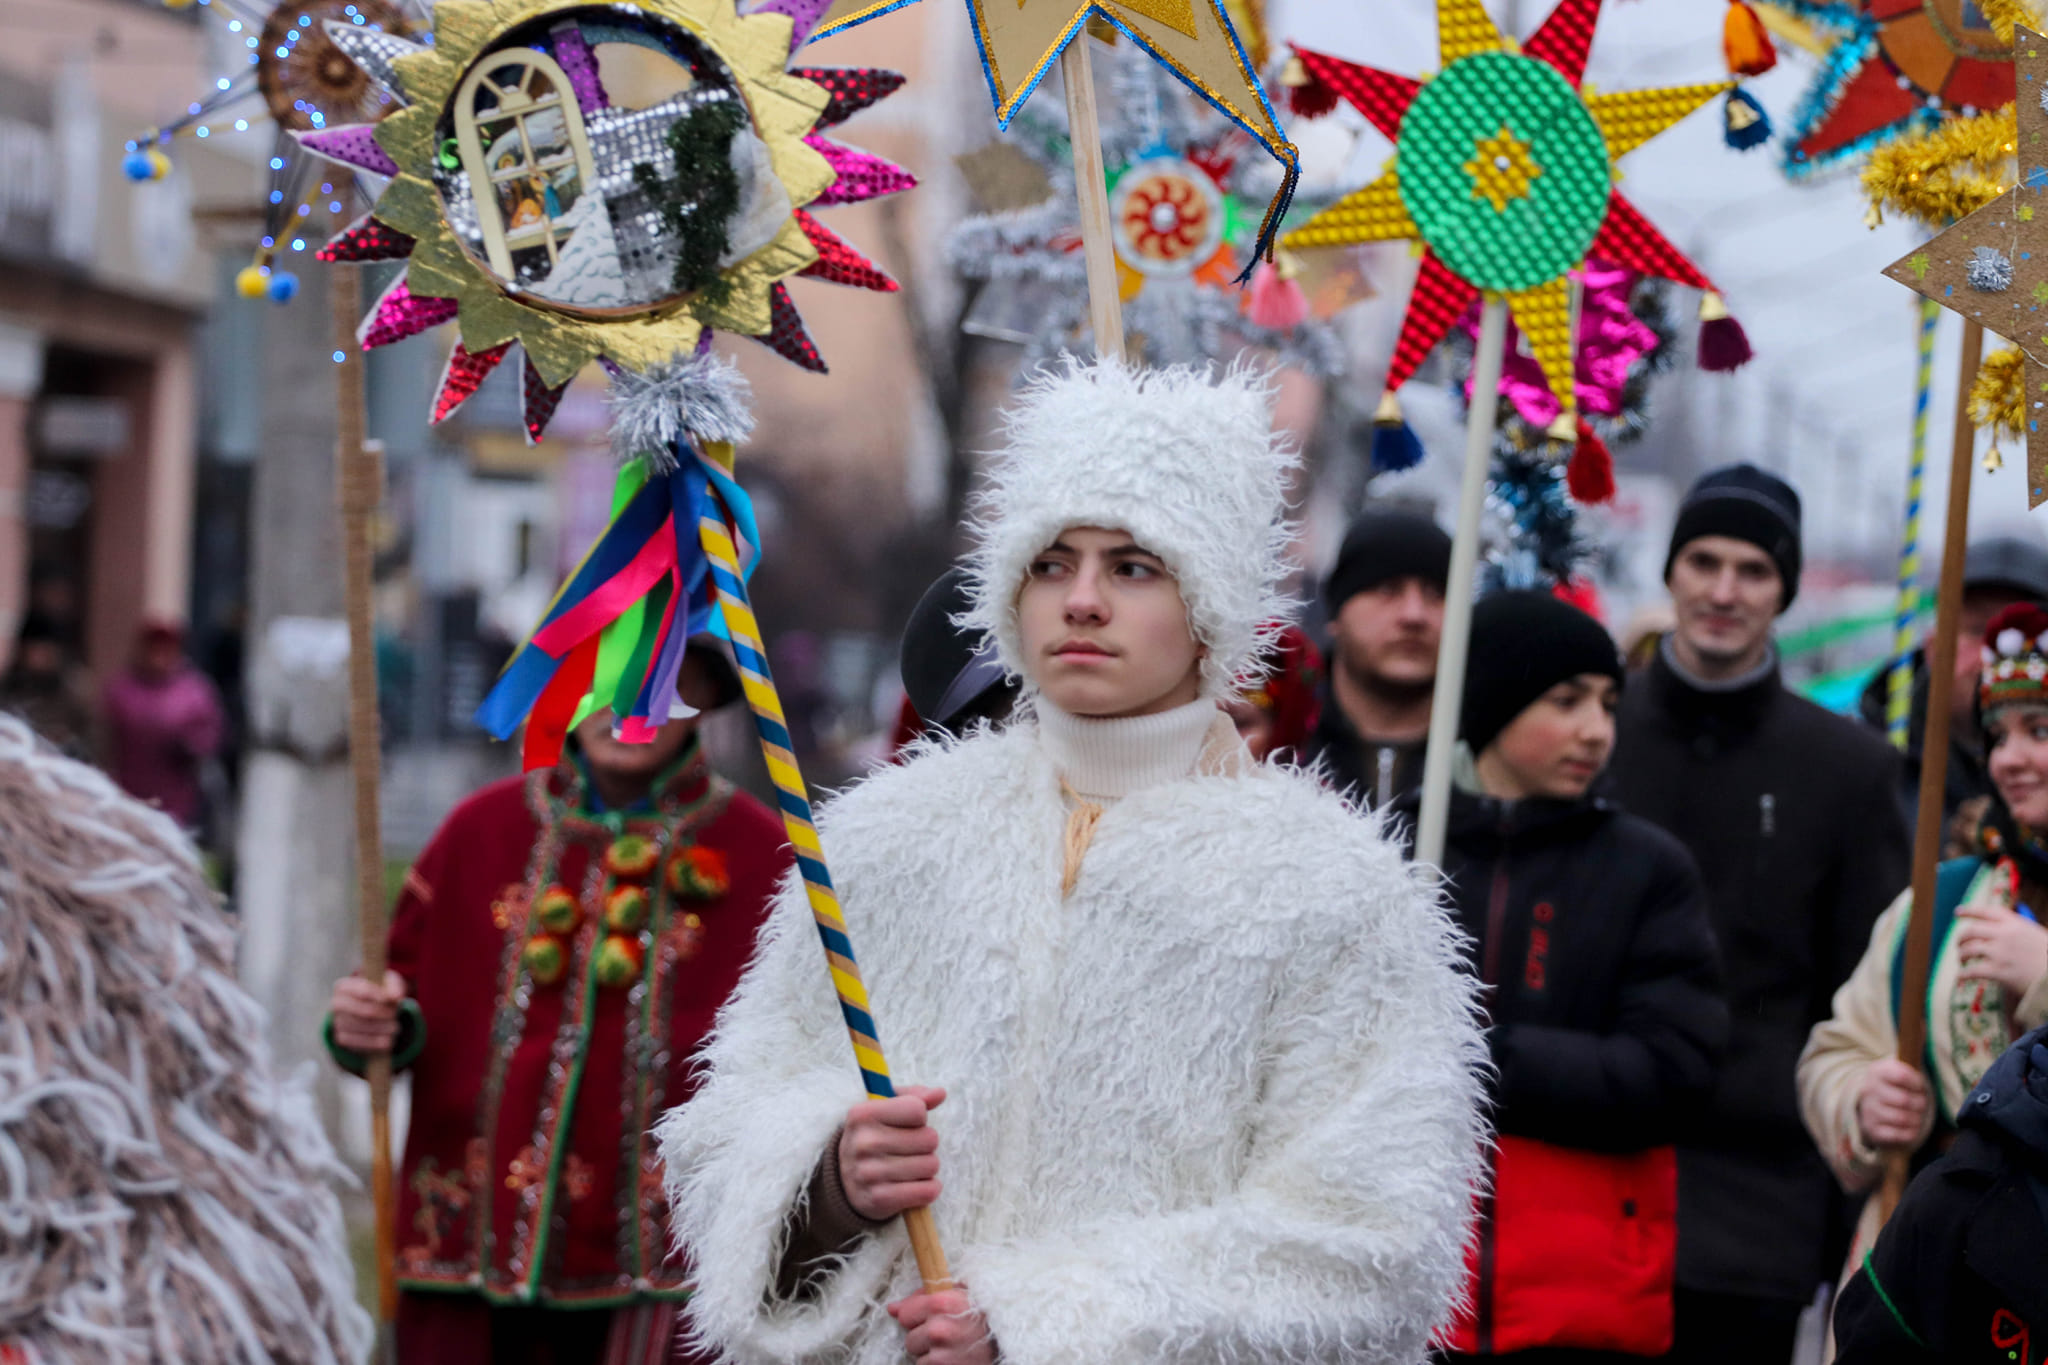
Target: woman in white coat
[{"x": 1209, "y": 1065}]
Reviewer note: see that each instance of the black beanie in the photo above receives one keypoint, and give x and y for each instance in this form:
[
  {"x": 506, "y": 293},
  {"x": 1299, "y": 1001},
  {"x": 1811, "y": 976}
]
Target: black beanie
[
  {"x": 945, "y": 669},
  {"x": 1524, "y": 643},
  {"x": 1386, "y": 543},
  {"x": 1746, "y": 503}
]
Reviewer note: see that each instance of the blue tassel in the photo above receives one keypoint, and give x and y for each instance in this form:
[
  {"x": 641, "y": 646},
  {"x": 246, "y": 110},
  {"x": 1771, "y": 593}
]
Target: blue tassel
[
  {"x": 1744, "y": 124},
  {"x": 1395, "y": 445}
]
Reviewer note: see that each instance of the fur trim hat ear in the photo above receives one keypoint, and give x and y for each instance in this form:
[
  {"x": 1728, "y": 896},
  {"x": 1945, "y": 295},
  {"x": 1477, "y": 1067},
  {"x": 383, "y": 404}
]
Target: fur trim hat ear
[{"x": 1184, "y": 460}]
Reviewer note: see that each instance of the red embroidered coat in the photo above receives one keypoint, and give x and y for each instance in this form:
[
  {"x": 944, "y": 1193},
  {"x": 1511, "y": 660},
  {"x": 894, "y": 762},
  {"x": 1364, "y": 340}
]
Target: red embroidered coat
[{"x": 566, "y": 966}]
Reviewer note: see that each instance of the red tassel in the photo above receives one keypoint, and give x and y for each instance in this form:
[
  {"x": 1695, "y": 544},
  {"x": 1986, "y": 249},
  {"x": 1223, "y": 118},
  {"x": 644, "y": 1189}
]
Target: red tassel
[
  {"x": 1724, "y": 345},
  {"x": 1276, "y": 300},
  {"x": 1745, "y": 42},
  {"x": 1313, "y": 98},
  {"x": 1590, "y": 475}
]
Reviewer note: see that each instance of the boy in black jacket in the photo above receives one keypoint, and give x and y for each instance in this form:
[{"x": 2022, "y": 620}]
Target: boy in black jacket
[
  {"x": 1590, "y": 934},
  {"x": 1961, "y": 1271}
]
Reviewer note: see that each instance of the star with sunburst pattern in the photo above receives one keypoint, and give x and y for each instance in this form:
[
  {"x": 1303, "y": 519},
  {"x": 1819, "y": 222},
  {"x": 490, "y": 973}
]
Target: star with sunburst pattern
[{"x": 1504, "y": 172}]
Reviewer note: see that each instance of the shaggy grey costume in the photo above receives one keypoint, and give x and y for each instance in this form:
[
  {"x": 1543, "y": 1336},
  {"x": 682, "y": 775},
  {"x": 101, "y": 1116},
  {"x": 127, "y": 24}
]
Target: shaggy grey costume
[{"x": 163, "y": 1197}]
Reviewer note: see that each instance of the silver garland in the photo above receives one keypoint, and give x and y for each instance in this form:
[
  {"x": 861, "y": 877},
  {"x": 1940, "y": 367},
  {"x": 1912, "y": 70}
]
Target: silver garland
[
  {"x": 1034, "y": 289},
  {"x": 702, "y": 395}
]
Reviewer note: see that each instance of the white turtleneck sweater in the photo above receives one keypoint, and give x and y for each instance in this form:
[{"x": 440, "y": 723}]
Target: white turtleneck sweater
[{"x": 1107, "y": 760}]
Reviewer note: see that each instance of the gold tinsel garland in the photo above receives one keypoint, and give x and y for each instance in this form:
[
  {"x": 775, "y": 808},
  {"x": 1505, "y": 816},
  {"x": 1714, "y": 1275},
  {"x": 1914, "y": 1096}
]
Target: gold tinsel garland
[
  {"x": 1998, "y": 398},
  {"x": 2006, "y": 15},
  {"x": 1958, "y": 166},
  {"x": 1943, "y": 174}
]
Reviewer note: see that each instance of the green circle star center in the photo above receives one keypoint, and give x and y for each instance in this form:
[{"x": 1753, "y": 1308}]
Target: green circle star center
[{"x": 1504, "y": 171}]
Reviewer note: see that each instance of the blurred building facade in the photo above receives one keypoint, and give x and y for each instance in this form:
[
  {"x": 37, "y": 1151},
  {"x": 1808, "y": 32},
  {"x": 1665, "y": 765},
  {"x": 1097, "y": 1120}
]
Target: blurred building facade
[{"x": 103, "y": 285}]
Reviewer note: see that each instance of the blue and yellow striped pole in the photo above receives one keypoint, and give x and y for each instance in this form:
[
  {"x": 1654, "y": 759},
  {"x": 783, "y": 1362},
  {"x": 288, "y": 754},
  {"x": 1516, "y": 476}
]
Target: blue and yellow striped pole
[
  {"x": 759, "y": 684},
  {"x": 1898, "y": 708}
]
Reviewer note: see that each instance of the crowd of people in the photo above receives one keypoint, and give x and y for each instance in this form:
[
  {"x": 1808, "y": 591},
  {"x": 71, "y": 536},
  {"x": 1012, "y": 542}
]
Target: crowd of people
[{"x": 1192, "y": 1060}]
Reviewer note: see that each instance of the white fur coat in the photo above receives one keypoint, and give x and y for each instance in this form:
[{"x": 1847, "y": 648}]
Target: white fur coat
[{"x": 1220, "y": 1105}]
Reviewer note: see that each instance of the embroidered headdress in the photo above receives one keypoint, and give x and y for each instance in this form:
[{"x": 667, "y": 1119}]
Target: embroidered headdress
[{"x": 2015, "y": 671}]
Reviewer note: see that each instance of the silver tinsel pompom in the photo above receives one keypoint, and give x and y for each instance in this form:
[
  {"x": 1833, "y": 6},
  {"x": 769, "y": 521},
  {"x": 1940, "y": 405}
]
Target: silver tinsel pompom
[
  {"x": 1990, "y": 270},
  {"x": 704, "y": 396}
]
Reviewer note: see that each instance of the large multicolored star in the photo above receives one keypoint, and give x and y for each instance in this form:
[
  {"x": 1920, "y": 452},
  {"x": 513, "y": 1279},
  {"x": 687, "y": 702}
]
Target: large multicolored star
[
  {"x": 1504, "y": 173},
  {"x": 1896, "y": 66},
  {"x": 581, "y": 309}
]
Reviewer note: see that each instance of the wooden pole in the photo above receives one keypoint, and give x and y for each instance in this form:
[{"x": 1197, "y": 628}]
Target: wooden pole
[
  {"x": 1091, "y": 192},
  {"x": 1941, "y": 673},
  {"x": 359, "y": 484},
  {"x": 1449, "y": 698}
]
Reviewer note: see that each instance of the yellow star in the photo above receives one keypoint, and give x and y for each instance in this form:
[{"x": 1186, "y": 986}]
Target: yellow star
[
  {"x": 1502, "y": 169},
  {"x": 1021, "y": 39}
]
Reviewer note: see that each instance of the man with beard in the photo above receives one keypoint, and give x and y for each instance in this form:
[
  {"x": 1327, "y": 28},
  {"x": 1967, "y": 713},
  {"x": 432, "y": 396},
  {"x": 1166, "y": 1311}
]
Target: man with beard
[{"x": 1385, "y": 597}]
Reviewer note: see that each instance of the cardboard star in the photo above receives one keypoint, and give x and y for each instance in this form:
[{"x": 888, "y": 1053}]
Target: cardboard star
[
  {"x": 1503, "y": 173},
  {"x": 1020, "y": 41},
  {"x": 1992, "y": 266}
]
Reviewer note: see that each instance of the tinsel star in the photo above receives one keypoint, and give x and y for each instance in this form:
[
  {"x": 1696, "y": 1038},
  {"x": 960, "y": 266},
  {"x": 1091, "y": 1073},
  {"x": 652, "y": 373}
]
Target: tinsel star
[
  {"x": 1895, "y": 66},
  {"x": 438, "y": 236},
  {"x": 1180, "y": 224}
]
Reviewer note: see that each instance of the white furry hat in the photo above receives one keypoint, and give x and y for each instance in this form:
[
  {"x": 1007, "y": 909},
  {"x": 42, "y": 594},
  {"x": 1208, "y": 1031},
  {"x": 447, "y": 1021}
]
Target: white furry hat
[{"x": 1184, "y": 460}]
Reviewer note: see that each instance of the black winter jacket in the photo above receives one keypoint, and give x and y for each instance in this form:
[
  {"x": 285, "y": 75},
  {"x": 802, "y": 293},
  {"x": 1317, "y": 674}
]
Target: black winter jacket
[
  {"x": 1589, "y": 928},
  {"x": 1792, "y": 814},
  {"x": 1961, "y": 1271},
  {"x": 1371, "y": 772}
]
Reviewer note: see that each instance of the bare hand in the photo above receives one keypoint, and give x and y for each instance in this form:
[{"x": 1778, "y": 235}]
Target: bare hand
[
  {"x": 889, "y": 1153},
  {"x": 1891, "y": 1104},
  {"x": 366, "y": 1015},
  {"x": 1994, "y": 944},
  {"x": 944, "y": 1329}
]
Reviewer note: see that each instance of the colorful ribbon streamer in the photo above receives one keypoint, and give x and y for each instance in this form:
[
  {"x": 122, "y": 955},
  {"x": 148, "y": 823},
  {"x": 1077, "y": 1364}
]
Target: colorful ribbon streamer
[
  {"x": 716, "y": 533},
  {"x": 615, "y": 634},
  {"x": 1898, "y": 700},
  {"x": 593, "y": 648}
]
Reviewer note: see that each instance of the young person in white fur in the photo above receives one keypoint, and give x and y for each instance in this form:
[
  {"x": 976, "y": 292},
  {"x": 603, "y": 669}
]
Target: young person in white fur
[{"x": 1209, "y": 1063}]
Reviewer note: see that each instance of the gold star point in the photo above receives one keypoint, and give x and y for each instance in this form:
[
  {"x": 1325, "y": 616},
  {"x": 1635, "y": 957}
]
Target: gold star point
[{"x": 1502, "y": 169}]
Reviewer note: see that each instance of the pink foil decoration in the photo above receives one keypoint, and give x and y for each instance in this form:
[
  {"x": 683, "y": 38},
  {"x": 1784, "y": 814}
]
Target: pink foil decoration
[
  {"x": 366, "y": 239},
  {"x": 352, "y": 144},
  {"x": 852, "y": 88},
  {"x": 805, "y": 13},
  {"x": 400, "y": 314},
  {"x": 1611, "y": 340},
  {"x": 838, "y": 262},
  {"x": 539, "y": 401},
  {"x": 573, "y": 55},
  {"x": 464, "y": 375},
  {"x": 786, "y": 335},
  {"x": 862, "y": 175}
]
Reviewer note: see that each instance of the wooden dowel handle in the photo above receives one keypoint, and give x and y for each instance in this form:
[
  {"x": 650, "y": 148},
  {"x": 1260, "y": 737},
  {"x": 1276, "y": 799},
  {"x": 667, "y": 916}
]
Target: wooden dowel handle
[
  {"x": 1927, "y": 834},
  {"x": 924, "y": 1244},
  {"x": 1091, "y": 196}
]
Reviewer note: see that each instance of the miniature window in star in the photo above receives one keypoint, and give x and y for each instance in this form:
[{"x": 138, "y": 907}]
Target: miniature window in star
[{"x": 523, "y": 145}]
